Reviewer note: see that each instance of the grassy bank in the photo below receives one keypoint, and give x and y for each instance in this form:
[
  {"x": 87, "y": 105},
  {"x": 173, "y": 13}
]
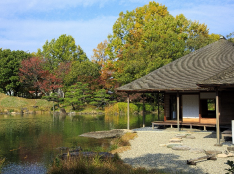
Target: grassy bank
[{"x": 16, "y": 104}]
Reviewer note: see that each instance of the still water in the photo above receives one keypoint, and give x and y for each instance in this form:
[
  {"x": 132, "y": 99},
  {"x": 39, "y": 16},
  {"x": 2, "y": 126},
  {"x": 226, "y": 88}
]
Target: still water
[{"x": 29, "y": 143}]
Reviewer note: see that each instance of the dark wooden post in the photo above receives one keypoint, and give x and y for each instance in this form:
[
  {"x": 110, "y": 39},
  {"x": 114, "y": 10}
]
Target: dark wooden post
[
  {"x": 143, "y": 110},
  {"x": 178, "y": 111},
  {"x": 158, "y": 107},
  {"x": 217, "y": 117},
  {"x": 128, "y": 111}
]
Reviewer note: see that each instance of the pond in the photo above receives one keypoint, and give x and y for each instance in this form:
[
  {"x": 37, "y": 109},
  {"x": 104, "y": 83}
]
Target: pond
[{"x": 29, "y": 143}]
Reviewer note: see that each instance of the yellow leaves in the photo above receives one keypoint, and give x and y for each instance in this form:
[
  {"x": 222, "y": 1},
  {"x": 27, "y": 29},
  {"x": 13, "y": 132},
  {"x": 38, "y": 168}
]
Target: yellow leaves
[
  {"x": 138, "y": 25},
  {"x": 214, "y": 37},
  {"x": 99, "y": 54}
]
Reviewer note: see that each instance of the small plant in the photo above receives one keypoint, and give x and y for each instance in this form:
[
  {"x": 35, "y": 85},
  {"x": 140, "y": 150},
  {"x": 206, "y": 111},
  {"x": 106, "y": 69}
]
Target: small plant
[
  {"x": 11, "y": 110},
  {"x": 1, "y": 164},
  {"x": 231, "y": 165},
  {"x": 57, "y": 162}
]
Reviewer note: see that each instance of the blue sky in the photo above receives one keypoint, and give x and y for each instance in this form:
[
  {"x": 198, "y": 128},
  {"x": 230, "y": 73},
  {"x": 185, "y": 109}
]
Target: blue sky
[{"x": 27, "y": 24}]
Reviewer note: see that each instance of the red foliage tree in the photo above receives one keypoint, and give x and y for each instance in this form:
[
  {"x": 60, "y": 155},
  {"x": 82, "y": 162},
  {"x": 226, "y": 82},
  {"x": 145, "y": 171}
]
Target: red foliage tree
[{"x": 33, "y": 76}]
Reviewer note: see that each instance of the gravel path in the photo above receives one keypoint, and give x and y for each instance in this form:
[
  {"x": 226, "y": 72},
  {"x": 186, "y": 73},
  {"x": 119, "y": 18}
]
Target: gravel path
[{"x": 146, "y": 152}]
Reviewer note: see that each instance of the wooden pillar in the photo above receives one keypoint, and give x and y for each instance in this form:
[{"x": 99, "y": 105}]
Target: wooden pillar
[
  {"x": 143, "y": 110},
  {"x": 178, "y": 111},
  {"x": 128, "y": 113},
  {"x": 158, "y": 108},
  {"x": 217, "y": 117}
]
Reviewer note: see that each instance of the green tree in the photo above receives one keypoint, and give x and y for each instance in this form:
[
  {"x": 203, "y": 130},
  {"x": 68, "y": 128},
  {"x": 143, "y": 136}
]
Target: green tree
[
  {"x": 101, "y": 98},
  {"x": 230, "y": 37},
  {"x": 149, "y": 37},
  {"x": 53, "y": 97},
  {"x": 60, "y": 50},
  {"x": 9, "y": 70},
  {"x": 77, "y": 95},
  {"x": 85, "y": 71}
]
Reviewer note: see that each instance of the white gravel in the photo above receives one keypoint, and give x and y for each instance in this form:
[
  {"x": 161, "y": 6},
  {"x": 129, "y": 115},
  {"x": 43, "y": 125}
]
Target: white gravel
[{"x": 146, "y": 152}]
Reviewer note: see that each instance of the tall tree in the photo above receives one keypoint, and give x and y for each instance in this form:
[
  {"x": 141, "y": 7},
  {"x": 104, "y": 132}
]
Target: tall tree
[
  {"x": 101, "y": 98},
  {"x": 85, "y": 72},
  {"x": 9, "y": 70},
  {"x": 99, "y": 54},
  {"x": 35, "y": 77},
  {"x": 60, "y": 50},
  {"x": 101, "y": 58},
  {"x": 149, "y": 37},
  {"x": 77, "y": 95}
]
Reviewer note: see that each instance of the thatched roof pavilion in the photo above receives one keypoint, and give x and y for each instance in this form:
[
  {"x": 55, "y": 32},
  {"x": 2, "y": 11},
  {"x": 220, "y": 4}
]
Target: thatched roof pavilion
[{"x": 191, "y": 77}]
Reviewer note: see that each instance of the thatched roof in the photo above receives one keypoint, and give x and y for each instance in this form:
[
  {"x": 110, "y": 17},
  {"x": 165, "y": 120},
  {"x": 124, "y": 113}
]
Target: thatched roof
[
  {"x": 223, "y": 78},
  {"x": 186, "y": 72}
]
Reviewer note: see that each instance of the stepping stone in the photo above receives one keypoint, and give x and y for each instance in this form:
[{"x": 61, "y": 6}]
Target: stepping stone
[
  {"x": 181, "y": 135},
  {"x": 182, "y": 148},
  {"x": 230, "y": 154},
  {"x": 222, "y": 156},
  {"x": 162, "y": 145},
  {"x": 176, "y": 138},
  {"x": 190, "y": 137},
  {"x": 196, "y": 150},
  {"x": 172, "y": 145},
  {"x": 175, "y": 141},
  {"x": 230, "y": 148},
  {"x": 212, "y": 152}
]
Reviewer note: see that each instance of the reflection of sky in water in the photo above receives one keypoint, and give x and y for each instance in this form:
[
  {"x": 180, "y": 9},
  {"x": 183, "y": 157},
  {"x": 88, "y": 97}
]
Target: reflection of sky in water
[{"x": 35, "y": 168}]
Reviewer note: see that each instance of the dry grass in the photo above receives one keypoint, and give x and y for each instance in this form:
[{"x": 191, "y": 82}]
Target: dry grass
[
  {"x": 82, "y": 165},
  {"x": 122, "y": 143}
]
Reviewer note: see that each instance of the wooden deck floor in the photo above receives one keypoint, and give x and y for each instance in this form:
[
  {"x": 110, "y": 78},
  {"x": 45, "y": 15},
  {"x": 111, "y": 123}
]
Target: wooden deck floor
[{"x": 174, "y": 123}]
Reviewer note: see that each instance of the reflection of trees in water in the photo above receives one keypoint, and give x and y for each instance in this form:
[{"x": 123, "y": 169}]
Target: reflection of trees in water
[{"x": 136, "y": 121}]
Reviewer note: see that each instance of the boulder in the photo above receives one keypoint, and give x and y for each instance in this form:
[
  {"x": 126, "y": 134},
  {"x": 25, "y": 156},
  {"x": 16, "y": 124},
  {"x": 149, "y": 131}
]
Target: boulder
[
  {"x": 63, "y": 111},
  {"x": 106, "y": 134}
]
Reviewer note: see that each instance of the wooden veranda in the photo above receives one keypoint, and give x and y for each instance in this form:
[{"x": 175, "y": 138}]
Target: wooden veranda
[{"x": 181, "y": 124}]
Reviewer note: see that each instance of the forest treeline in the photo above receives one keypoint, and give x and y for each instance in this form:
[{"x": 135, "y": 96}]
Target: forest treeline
[{"x": 142, "y": 40}]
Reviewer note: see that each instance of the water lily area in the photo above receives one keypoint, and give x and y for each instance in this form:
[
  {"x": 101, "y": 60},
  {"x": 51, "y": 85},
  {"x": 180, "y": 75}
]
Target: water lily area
[{"x": 30, "y": 143}]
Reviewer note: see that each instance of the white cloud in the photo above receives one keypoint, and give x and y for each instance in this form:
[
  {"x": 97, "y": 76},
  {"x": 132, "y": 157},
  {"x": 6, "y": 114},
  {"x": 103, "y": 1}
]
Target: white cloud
[
  {"x": 14, "y": 7},
  {"x": 32, "y": 34},
  {"x": 218, "y": 18}
]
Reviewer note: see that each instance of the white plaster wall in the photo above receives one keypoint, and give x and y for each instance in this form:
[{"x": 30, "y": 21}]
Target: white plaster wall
[{"x": 190, "y": 104}]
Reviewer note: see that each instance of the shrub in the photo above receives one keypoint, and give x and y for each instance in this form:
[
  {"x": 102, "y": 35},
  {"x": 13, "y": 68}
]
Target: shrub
[{"x": 121, "y": 108}]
